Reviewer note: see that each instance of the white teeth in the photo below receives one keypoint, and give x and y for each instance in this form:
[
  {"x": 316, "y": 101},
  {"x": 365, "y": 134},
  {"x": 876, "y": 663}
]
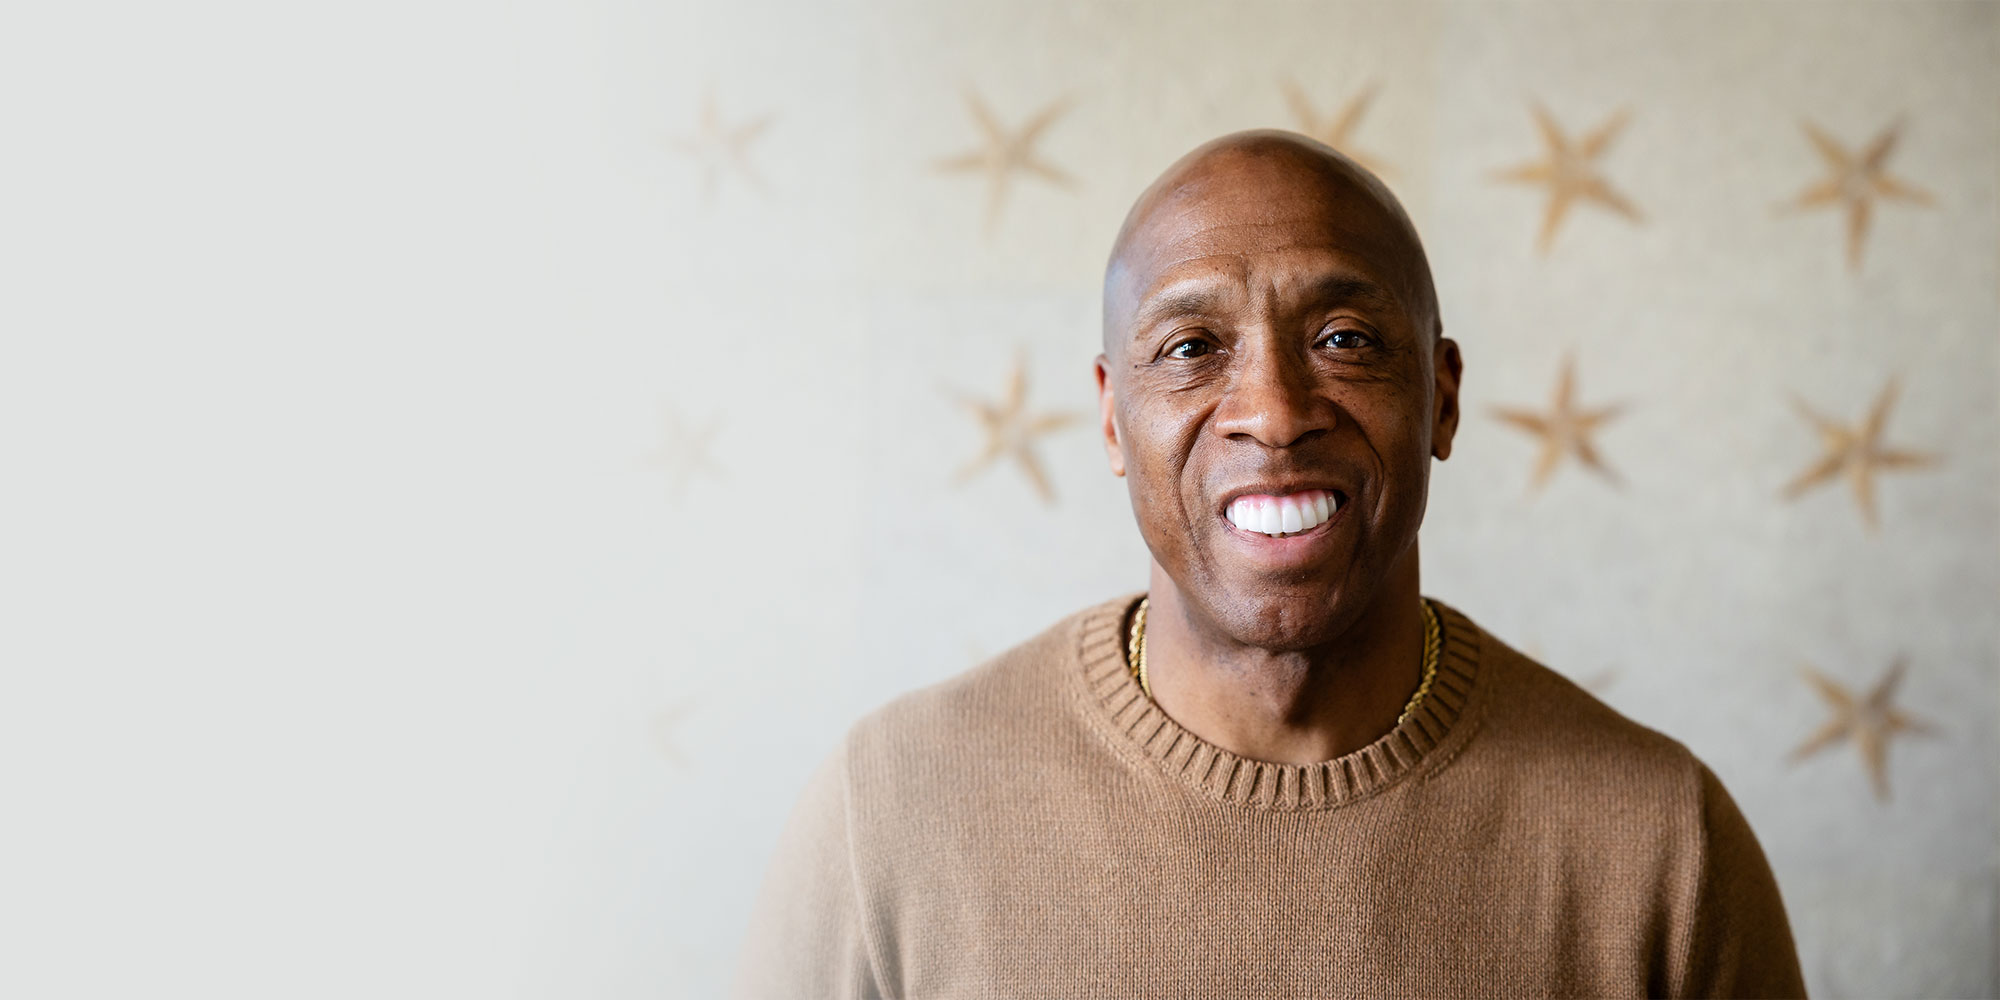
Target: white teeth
[
  {"x": 1288, "y": 515},
  {"x": 1285, "y": 515}
]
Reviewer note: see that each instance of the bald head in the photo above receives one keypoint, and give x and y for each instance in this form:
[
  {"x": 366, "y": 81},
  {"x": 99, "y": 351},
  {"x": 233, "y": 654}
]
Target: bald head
[
  {"x": 1272, "y": 188},
  {"x": 1270, "y": 332}
]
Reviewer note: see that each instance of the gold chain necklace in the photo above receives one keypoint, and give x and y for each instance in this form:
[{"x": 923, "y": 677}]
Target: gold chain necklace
[{"x": 1135, "y": 654}]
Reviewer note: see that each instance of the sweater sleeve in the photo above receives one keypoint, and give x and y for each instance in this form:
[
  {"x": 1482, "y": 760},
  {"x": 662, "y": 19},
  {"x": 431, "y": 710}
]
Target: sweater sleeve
[
  {"x": 1740, "y": 944},
  {"x": 806, "y": 936}
]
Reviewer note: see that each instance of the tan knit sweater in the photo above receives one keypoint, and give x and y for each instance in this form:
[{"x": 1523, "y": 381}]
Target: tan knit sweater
[{"x": 1037, "y": 828}]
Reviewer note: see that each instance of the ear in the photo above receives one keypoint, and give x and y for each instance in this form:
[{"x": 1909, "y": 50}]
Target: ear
[
  {"x": 1107, "y": 404},
  {"x": 1447, "y": 368}
]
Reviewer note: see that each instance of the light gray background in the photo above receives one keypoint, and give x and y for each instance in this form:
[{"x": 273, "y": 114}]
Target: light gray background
[{"x": 360, "y": 642}]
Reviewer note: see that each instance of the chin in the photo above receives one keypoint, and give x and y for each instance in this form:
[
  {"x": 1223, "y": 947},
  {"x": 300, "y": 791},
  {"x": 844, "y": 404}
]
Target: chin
[{"x": 1286, "y": 619}]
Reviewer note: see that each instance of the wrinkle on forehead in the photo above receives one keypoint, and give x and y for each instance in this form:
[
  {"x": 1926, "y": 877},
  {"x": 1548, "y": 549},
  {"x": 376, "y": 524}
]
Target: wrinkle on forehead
[
  {"x": 1262, "y": 192},
  {"x": 1302, "y": 275}
]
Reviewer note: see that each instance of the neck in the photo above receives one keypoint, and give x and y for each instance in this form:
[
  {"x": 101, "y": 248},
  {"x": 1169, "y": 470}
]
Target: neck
[{"x": 1288, "y": 706}]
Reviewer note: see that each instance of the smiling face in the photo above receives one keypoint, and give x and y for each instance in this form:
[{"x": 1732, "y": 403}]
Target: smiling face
[{"x": 1274, "y": 386}]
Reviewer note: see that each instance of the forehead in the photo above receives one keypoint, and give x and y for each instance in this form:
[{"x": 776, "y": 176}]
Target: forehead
[{"x": 1285, "y": 235}]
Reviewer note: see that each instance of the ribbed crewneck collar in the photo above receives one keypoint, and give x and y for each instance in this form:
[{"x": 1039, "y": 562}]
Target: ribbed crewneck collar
[{"x": 1136, "y": 725}]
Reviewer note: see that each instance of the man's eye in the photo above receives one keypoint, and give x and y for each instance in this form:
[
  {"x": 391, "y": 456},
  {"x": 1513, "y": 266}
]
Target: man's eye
[
  {"x": 1188, "y": 349},
  {"x": 1348, "y": 339}
]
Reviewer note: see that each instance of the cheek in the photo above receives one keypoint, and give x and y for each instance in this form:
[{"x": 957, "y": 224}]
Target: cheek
[
  {"x": 1398, "y": 432},
  {"x": 1402, "y": 446},
  {"x": 1163, "y": 479},
  {"x": 1405, "y": 438}
]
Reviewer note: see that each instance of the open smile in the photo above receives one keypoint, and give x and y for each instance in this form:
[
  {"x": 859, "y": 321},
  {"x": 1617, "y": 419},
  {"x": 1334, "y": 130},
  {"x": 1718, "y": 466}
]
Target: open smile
[{"x": 1286, "y": 515}]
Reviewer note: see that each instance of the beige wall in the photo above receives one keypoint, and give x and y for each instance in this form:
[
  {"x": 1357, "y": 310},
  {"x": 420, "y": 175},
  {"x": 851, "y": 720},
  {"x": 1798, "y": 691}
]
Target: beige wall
[
  {"x": 1690, "y": 597},
  {"x": 458, "y": 526}
]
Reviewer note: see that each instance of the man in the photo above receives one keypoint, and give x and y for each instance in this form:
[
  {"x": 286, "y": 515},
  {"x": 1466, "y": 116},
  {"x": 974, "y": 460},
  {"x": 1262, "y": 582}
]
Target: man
[{"x": 1281, "y": 772}]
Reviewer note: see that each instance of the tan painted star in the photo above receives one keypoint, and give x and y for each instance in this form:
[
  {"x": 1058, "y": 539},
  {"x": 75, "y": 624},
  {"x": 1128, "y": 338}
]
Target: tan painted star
[
  {"x": 1006, "y": 153},
  {"x": 723, "y": 149},
  {"x": 1570, "y": 171},
  {"x": 1011, "y": 432},
  {"x": 1595, "y": 683},
  {"x": 665, "y": 725},
  {"x": 1856, "y": 180},
  {"x": 1870, "y": 721},
  {"x": 1856, "y": 453},
  {"x": 683, "y": 452},
  {"x": 1599, "y": 681},
  {"x": 1338, "y": 130},
  {"x": 1564, "y": 429}
]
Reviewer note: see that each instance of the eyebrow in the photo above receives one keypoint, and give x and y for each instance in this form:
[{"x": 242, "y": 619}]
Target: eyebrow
[
  {"x": 1340, "y": 288},
  {"x": 1196, "y": 298},
  {"x": 1185, "y": 299}
]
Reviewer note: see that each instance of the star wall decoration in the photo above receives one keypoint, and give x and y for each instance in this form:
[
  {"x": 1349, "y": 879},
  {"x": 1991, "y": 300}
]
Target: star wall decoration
[
  {"x": 1856, "y": 453},
  {"x": 1011, "y": 432},
  {"x": 664, "y": 728},
  {"x": 723, "y": 149},
  {"x": 1870, "y": 721},
  {"x": 1600, "y": 681},
  {"x": 683, "y": 452},
  {"x": 1338, "y": 129},
  {"x": 1006, "y": 153},
  {"x": 1855, "y": 180},
  {"x": 1564, "y": 430},
  {"x": 1595, "y": 682},
  {"x": 1569, "y": 170}
]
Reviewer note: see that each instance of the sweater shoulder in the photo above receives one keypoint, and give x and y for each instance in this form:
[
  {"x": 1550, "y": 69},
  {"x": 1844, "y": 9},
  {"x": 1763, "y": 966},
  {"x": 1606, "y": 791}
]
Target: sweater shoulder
[
  {"x": 1548, "y": 724},
  {"x": 1012, "y": 701}
]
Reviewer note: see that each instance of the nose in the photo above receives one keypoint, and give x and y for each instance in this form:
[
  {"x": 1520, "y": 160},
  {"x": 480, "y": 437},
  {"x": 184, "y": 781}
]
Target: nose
[{"x": 1274, "y": 399}]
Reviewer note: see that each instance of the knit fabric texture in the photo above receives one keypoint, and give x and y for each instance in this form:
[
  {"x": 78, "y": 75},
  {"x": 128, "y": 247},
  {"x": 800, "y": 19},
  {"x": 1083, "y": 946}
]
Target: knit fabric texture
[{"x": 1037, "y": 827}]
